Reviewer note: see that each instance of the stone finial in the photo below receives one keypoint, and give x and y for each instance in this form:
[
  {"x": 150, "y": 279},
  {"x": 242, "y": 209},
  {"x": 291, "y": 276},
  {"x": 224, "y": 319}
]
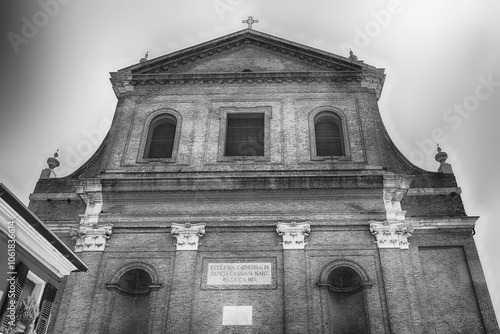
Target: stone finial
[
  {"x": 352, "y": 55},
  {"x": 393, "y": 235},
  {"x": 145, "y": 59},
  {"x": 53, "y": 163},
  {"x": 187, "y": 235},
  {"x": 293, "y": 234},
  {"x": 441, "y": 158},
  {"x": 91, "y": 238}
]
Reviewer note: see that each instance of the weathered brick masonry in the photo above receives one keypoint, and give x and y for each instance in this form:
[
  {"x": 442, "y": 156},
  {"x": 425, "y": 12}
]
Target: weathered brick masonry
[{"x": 312, "y": 224}]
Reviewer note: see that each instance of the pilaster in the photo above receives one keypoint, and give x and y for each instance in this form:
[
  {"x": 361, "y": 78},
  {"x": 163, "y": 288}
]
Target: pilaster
[
  {"x": 295, "y": 275},
  {"x": 180, "y": 308},
  {"x": 391, "y": 238}
]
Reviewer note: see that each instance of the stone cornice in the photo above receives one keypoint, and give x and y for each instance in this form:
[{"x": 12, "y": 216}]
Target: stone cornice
[
  {"x": 434, "y": 191},
  {"x": 432, "y": 223},
  {"x": 234, "y": 183},
  {"x": 123, "y": 83}
]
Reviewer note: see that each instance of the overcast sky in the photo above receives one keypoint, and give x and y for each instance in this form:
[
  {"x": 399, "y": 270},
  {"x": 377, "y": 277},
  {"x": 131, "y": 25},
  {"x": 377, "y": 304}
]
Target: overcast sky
[{"x": 442, "y": 60}]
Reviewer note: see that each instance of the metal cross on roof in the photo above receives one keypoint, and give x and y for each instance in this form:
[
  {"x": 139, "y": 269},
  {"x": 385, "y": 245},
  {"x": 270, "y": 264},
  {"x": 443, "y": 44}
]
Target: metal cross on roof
[{"x": 250, "y": 21}]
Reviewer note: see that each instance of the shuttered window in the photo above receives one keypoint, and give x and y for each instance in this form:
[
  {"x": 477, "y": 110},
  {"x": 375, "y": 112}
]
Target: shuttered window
[
  {"x": 49, "y": 295},
  {"x": 22, "y": 272}
]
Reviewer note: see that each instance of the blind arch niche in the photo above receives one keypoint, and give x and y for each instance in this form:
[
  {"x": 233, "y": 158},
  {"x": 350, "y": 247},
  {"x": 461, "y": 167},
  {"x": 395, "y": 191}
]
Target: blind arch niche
[{"x": 343, "y": 285}]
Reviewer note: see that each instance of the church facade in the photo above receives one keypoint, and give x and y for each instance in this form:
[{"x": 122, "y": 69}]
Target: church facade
[{"x": 248, "y": 185}]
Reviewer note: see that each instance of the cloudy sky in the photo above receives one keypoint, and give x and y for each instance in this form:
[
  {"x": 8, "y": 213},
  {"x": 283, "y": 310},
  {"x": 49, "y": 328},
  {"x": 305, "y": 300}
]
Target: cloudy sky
[{"x": 442, "y": 60}]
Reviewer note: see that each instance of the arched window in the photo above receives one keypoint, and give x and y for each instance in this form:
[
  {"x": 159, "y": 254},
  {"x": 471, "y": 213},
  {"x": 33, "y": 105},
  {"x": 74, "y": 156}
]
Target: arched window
[
  {"x": 347, "y": 303},
  {"x": 328, "y": 134},
  {"x": 161, "y": 137}
]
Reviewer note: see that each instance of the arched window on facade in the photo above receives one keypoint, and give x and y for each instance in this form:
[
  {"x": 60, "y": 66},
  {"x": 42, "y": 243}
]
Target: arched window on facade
[
  {"x": 347, "y": 303},
  {"x": 131, "y": 307},
  {"x": 161, "y": 137},
  {"x": 328, "y": 134}
]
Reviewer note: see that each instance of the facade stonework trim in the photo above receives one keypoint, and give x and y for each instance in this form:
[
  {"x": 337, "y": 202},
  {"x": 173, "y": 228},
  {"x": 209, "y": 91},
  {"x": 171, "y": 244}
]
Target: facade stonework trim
[
  {"x": 393, "y": 235},
  {"x": 293, "y": 234},
  {"x": 395, "y": 188},
  {"x": 91, "y": 238},
  {"x": 90, "y": 192},
  {"x": 187, "y": 235}
]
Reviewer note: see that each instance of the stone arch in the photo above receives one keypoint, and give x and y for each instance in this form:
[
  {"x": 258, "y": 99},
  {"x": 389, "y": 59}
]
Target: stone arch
[
  {"x": 344, "y": 263},
  {"x": 135, "y": 265}
]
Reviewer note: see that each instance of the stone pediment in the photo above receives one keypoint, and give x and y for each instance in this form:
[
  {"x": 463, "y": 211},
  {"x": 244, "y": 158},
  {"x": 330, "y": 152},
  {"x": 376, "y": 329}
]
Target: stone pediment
[
  {"x": 247, "y": 56},
  {"x": 246, "y": 50}
]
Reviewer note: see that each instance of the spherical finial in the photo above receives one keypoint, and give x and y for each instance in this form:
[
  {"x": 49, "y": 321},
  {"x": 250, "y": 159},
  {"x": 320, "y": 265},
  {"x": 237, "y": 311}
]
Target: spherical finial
[
  {"x": 145, "y": 59},
  {"x": 52, "y": 161},
  {"x": 440, "y": 156}
]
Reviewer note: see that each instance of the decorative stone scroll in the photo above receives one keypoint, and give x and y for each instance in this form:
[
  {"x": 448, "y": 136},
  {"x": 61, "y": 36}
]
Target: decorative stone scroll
[
  {"x": 91, "y": 238},
  {"x": 393, "y": 235},
  {"x": 395, "y": 188},
  {"x": 188, "y": 235},
  {"x": 293, "y": 234},
  {"x": 91, "y": 193}
]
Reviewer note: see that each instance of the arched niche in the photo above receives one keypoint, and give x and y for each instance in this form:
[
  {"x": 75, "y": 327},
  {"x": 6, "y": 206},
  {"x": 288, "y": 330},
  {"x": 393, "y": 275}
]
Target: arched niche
[
  {"x": 132, "y": 294},
  {"x": 343, "y": 285}
]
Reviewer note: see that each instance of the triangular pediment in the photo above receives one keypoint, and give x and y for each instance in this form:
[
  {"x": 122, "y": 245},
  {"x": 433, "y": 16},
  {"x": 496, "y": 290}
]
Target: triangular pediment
[{"x": 246, "y": 50}]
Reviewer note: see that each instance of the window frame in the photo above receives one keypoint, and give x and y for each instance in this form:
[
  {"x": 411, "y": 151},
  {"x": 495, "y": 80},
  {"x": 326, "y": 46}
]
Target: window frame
[
  {"x": 343, "y": 130},
  {"x": 146, "y": 136},
  {"x": 223, "y": 116}
]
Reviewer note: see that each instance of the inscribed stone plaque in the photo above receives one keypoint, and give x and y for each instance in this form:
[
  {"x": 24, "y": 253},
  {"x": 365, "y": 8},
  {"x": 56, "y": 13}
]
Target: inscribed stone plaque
[
  {"x": 239, "y": 274},
  {"x": 237, "y": 316}
]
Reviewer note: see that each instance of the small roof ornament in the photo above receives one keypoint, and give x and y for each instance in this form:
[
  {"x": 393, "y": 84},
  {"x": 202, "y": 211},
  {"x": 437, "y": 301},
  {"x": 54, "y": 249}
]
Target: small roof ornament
[
  {"x": 145, "y": 59},
  {"x": 250, "y": 21},
  {"x": 441, "y": 158},
  {"x": 352, "y": 55},
  {"x": 53, "y": 163}
]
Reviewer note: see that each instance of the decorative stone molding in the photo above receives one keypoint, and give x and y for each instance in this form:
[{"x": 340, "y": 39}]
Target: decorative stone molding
[
  {"x": 393, "y": 235},
  {"x": 91, "y": 193},
  {"x": 395, "y": 188},
  {"x": 293, "y": 234},
  {"x": 91, "y": 238},
  {"x": 188, "y": 235}
]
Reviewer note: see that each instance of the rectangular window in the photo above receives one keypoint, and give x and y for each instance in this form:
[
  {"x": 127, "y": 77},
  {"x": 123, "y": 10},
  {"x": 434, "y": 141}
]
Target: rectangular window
[{"x": 245, "y": 134}]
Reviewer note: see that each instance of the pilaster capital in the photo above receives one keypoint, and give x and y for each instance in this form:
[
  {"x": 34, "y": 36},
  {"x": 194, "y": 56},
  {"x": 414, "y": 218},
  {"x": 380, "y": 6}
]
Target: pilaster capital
[
  {"x": 391, "y": 235},
  {"x": 187, "y": 235},
  {"x": 91, "y": 238},
  {"x": 293, "y": 234}
]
